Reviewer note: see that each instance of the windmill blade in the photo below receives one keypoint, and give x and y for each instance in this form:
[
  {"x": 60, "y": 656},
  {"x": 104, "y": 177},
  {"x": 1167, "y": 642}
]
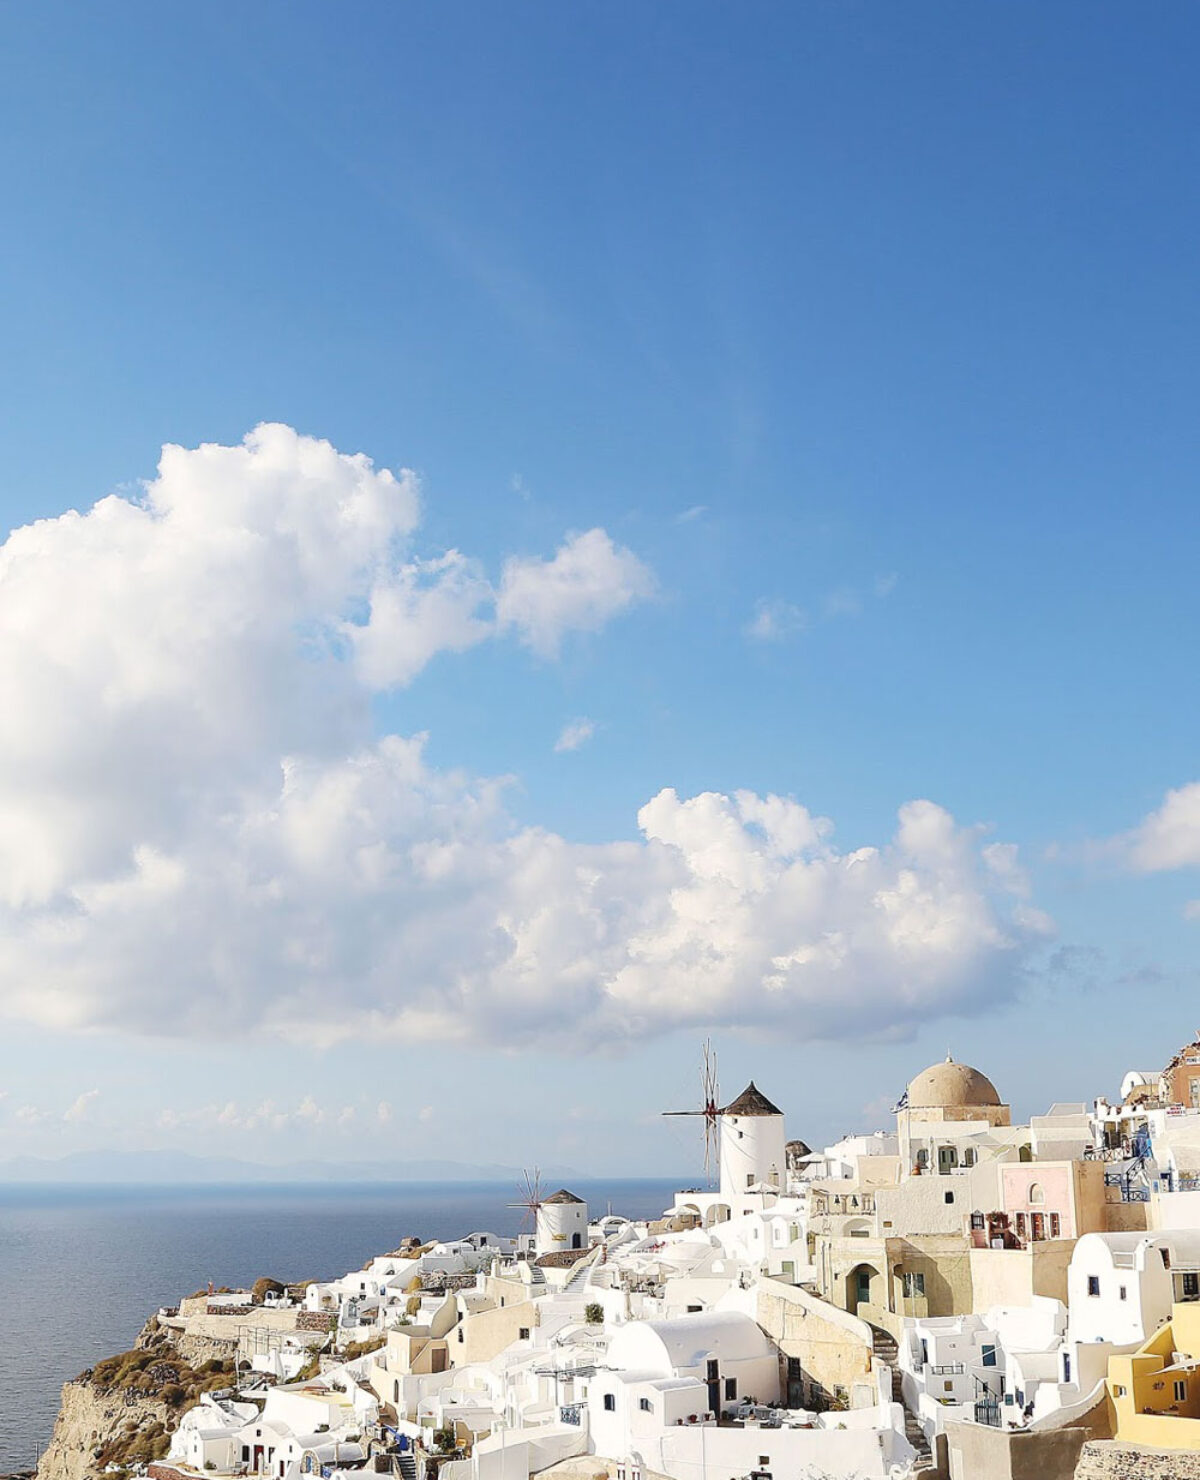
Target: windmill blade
[
  {"x": 712, "y": 1099},
  {"x": 529, "y": 1197}
]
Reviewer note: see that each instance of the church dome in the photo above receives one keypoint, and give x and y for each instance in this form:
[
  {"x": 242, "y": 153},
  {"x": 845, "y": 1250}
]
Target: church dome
[{"x": 951, "y": 1086}]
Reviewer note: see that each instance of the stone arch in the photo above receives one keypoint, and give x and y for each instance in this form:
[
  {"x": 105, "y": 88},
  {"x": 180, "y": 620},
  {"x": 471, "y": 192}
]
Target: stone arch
[{"x": 865, "y": 1284}]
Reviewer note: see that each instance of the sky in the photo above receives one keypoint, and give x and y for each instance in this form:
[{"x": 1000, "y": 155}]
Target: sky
[{"x": 537, "y": 535}]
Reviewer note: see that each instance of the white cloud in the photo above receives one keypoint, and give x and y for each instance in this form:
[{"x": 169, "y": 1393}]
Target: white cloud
[
  {"x": 198, "y": 826},
  {"x": 589, "y": 581},
  {"x": 885, "y": 585},
  {"x": 689, "y": 514},
  {"x": 383, "y": 1112},
  {"x": 425, "y": 1114},
  {"x": 29, "y": 1115},
  {"x": 1169, "y": 837},
  {"x": 424, "y": 608},
  {"x": 81, "y": 1107},
  {"x": 775, "y": 619},
  {"x": 575, "y": 733}
]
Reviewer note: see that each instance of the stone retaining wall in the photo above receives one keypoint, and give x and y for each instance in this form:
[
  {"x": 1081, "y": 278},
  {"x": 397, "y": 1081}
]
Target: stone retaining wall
[
  {"x": 1106, "y": 1459},
  {"x": 313, "y": 1320}
]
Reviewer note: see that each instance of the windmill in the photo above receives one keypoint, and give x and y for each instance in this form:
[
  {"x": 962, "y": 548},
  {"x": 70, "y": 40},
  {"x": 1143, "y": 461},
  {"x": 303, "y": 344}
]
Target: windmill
[
  {"x": 529, "y": 1197},
  {"x": 710, "y": 1095}
]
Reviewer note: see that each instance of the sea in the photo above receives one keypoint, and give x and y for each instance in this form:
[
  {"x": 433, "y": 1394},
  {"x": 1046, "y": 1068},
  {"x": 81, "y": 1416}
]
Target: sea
[{"x": 82, "y": 1268}]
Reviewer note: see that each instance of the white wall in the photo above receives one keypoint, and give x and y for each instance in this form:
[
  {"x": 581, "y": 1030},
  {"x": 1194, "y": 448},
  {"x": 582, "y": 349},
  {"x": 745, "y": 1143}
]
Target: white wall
[
  {"x": 726, "y": 1454},
  {"x": 752, "y": 1150},
  {"x": 1108, "y": 1317},
  {"x": 1175, "y": 1210}
]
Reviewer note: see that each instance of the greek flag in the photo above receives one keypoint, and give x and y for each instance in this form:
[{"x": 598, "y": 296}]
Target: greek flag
[{"x": 902, "y": 1102}]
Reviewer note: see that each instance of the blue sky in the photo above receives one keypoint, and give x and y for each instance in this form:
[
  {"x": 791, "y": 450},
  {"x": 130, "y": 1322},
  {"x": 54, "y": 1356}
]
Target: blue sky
[{"x": 868, "y": 336}]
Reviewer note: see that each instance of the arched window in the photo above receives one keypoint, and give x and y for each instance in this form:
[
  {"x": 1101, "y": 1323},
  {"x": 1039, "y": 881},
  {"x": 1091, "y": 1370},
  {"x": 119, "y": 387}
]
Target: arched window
[{"x": 1036, "y": 1195}]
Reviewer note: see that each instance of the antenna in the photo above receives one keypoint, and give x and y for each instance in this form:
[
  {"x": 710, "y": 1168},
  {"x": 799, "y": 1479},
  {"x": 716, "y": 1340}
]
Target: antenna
[
  {"x": 529, "y": 1197},
  {"x": 710, "y": 1095}
]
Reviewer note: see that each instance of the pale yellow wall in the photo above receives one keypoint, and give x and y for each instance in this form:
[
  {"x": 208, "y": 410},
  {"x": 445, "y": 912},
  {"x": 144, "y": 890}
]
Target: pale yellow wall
[
  {"x": 1123, "y": 1217},
  {"x": 505, "y": 1291},
  {"x": 1001, "y": 1277},
  {"x": 877, "y": 1171},
  {"x": 833, "y": 1352},
  {"x": 486, "y": 1333},
  {"x": 1091, "y": 1207},
  {"x": 988, "y": 1114},
  {"x": 945, "y": 1261},
  {"x": 413, "y": 1352},
  {"x": 1051, "y": 1260}
]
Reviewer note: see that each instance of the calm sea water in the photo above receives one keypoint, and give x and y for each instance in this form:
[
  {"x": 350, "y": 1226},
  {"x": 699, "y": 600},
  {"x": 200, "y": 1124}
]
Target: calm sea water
[{"x": 81, "y": 1268}]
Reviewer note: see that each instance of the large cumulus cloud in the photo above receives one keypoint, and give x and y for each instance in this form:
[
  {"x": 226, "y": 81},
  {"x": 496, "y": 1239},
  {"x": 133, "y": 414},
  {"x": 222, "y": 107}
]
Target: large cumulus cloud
[{"x": 199, "y": 831}]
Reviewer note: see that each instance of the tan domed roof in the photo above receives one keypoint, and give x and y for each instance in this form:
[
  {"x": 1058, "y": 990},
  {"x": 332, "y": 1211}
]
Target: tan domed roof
[{"x": 951, "y": 1086}]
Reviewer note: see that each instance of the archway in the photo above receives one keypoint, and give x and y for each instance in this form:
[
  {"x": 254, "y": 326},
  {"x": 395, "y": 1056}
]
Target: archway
[{"x": 863, "y": 1283}]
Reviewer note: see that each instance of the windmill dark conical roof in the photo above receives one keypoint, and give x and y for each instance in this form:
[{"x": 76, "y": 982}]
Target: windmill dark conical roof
[
  {"x": 751, "y": 1101},
  {"x": 562, "y": 1196}
]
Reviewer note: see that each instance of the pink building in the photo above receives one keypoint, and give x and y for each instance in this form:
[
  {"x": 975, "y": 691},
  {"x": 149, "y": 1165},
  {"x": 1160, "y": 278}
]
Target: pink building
[{"x": 1053, "y": 1199}]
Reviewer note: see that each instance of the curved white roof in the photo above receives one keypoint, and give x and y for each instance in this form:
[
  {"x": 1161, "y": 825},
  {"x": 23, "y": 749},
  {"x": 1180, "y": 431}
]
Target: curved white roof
[
  {"x": 669, "y": 1347},
  {"x": 1182, "y": 1242}
]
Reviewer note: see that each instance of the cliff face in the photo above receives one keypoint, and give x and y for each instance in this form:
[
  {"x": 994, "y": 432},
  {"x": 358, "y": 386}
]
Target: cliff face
[
  {"x": 90, "y": 1420},
  {"x": 124, "y": 1410}
]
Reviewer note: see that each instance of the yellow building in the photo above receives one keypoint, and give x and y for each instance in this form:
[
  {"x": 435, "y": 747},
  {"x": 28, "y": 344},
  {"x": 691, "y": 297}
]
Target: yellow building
[{"x": 1155, "y": 1391}]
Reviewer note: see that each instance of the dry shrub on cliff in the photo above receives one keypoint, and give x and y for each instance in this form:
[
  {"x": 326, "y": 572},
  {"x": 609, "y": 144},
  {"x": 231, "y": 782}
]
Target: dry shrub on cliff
[
  {"x": 146, "y": 1372},
  {"x": 361, "y": 1348}
]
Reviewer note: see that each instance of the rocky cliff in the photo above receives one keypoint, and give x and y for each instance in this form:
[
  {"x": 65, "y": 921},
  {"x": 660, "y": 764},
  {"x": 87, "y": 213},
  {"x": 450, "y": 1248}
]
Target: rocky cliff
[
  {"x": 95, "y": 1427},
  {"x": 123, "y": 1411}
]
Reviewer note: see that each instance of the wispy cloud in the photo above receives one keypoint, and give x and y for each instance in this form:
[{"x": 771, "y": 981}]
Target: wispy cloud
[
  {"x": 774, "y": 620},
  {"x": 575, "y": 733},
  {"x": 693, "y": 513},
  {"x": 81, "y": 1107}
]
